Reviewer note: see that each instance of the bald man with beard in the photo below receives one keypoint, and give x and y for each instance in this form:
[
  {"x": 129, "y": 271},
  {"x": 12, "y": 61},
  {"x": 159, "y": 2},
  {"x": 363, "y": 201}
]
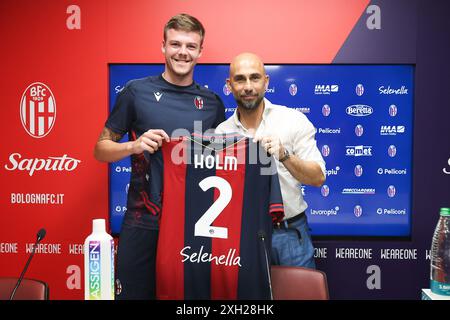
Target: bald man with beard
[{"x": 289, "y": 136}]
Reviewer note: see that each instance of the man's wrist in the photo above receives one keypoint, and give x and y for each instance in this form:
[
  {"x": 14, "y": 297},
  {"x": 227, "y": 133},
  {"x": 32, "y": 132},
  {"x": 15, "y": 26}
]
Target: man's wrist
[{"x": 285, "y": 156}]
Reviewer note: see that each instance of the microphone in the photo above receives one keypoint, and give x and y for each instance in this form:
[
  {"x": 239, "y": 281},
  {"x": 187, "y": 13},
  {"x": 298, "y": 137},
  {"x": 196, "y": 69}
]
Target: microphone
[
  {"x": 262, "y": 236},
  {"x": 39, "y": 236}
]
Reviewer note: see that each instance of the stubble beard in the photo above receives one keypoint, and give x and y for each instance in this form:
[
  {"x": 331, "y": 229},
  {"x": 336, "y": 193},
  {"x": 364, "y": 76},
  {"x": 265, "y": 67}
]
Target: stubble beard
[{"x": 248, "y": 105}]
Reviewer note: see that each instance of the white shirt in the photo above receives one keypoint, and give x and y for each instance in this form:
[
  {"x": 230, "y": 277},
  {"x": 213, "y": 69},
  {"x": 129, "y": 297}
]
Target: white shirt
[{"x": 297, "y": 136}]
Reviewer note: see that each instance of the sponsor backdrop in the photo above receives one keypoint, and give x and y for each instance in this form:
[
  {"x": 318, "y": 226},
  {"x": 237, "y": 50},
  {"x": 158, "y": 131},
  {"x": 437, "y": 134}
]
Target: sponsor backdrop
[
  {"x": 55, "y": 100},
  {"x": 366, "y": 142}
]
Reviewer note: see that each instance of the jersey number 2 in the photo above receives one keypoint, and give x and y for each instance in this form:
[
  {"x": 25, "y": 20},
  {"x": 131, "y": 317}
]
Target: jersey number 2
[{"x": 203, "y": 227}]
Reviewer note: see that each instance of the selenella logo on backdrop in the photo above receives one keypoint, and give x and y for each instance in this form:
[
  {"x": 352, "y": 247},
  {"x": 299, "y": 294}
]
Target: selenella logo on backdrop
[{"x": 38, "y": 110}]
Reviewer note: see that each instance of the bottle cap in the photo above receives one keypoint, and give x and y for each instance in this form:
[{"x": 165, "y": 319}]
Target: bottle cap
[
  {"x": 98, "y": 225},
  {"x": 445, "y": 211}
]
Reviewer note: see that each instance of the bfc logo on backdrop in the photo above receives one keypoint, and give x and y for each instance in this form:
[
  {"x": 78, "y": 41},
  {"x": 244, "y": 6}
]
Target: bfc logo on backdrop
[
  {"x": 359, "y": 130},
  {"x": 391, "y": 191},
  {"x": 226, "y": 90},
  {"x": 392, "y": 151},
  {"x": 293, "y": 89},
  {"x": 359, "y": 89},
  {"x": 326, "y": 110},
  {"x": 358, "y": 170},
  {"x": 392, "y": 110},
  {"x": 357, "y": 211},
  {"x": 325, "y": 150},
  {"x": 38, "y": 110},
  {"x": 325, "y": 190}
]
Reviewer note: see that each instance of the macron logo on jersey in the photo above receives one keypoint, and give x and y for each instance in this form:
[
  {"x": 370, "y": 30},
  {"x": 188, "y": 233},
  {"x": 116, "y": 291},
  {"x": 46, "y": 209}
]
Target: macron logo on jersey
[{"x": 157, "y": 95}]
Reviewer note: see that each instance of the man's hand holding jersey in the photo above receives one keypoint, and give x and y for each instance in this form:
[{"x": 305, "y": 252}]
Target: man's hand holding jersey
[{"x": 149, "y": 141}]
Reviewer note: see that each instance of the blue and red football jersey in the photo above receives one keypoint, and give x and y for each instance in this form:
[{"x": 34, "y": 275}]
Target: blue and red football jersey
[{"x": 219, "y": 201}]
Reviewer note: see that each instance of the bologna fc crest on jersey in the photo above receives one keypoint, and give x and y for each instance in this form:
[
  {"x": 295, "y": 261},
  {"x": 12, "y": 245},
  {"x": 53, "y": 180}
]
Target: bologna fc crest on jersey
[
  {"x": 198, "y": 102},
  {"x": 38, "y": 110}
]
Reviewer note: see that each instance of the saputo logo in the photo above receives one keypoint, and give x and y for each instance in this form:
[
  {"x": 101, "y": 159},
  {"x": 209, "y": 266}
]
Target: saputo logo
[{"x": 32, "y": 165}]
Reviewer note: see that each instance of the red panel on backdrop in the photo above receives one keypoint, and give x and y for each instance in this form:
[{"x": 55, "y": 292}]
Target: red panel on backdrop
[
  {"x": 292, "y": 31},
  {"x": 42, "y": 44}
]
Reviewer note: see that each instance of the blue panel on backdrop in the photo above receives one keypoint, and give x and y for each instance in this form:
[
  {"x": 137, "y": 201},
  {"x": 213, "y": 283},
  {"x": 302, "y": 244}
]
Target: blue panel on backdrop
[{"x": 364, "y": 120}]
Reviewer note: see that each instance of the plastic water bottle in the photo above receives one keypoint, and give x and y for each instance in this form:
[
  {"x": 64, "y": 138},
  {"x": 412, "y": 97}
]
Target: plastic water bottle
[
  {"x": 440, "y": 255},
  {"x": 99, "y": 263}
]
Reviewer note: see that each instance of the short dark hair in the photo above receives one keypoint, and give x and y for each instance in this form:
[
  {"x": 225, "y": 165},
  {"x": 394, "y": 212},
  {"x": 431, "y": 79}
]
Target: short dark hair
[{"x": 186, "y": 23}]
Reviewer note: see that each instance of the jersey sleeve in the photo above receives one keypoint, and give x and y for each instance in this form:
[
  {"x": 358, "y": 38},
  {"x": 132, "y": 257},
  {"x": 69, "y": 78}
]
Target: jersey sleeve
[
  {"x": 123, "y": 114},
  {"x": 276, "y": 208}
]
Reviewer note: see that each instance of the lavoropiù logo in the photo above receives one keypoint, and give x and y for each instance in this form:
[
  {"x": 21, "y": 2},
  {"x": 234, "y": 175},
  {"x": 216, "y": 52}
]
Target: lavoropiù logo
[
  {"x": 38, "y": 110},
  {"x": 359, "y": 110},
  {"x": 324, "y": 212},
  {"x": 332, "y": 172},
  {"x": 32, "y": 165}
]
